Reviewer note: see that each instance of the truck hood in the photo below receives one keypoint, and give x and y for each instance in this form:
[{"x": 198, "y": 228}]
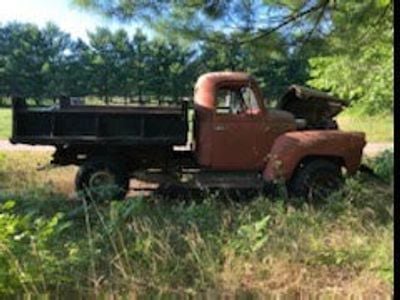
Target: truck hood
[{"x": 310, "y": 104}]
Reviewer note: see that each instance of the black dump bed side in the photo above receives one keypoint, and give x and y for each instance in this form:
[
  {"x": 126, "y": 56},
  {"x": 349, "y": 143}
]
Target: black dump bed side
[{"x": 111, "y": 125}]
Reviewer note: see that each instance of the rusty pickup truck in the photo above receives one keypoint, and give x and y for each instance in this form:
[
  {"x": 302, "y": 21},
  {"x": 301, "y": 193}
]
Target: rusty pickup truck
[{"x": 233, "y": 140}]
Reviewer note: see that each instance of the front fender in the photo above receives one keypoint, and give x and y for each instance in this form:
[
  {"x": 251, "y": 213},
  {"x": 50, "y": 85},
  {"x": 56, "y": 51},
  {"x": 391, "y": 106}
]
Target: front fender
[{"x": 291, "y": 148}]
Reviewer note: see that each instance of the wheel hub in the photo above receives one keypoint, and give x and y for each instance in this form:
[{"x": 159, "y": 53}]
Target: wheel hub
[{"x": 101, "y": 178}]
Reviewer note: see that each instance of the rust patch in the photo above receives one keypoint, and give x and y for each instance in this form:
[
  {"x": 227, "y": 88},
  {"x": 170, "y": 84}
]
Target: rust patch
[{"x": 291, "y": 147}]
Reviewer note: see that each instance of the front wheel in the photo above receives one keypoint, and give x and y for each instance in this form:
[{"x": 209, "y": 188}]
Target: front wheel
[
  {"x": 316, "y": 179},
  {"x": 101, "y": 179}
]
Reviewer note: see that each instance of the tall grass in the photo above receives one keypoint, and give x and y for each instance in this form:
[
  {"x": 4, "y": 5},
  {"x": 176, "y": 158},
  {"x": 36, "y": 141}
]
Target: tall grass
[{"x": 50, "y": 243}]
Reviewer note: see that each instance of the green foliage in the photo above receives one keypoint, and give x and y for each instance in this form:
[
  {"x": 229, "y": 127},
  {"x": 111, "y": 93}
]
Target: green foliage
[
  {"x": 25, "y": 61},
  {"x": 251, "y": 236},
  {"x": 383, "y": 165},
  {"x": 27, "y": 250},
  {"x": 366, "y": 80},
  {"x": 359, "y": 65},
  {"x": 34, "y": 62},
  {"x": 186, "y": 20}
]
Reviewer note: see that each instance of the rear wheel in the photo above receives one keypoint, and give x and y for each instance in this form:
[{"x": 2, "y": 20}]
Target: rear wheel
[
  {"x": 316, "y": 179},
  {"x": 102, "y": 178}
]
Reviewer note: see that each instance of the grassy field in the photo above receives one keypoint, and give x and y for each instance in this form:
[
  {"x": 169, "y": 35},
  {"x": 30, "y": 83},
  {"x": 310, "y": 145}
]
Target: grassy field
[
  {"x": 5, "y": 123},
  {"x": 378, "y": 129},
  {"x": 53, "y": 241}
]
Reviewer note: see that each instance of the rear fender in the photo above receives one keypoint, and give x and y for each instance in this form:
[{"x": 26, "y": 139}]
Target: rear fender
[{"x": 291, "y": 148}]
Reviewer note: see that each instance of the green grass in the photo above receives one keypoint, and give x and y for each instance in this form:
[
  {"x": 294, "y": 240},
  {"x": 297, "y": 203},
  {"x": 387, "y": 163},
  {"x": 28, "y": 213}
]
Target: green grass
[
  {"x": 50, "y": 242},
  {"x": 377, "y": 128},
  {"x": 5, "y": 123}
]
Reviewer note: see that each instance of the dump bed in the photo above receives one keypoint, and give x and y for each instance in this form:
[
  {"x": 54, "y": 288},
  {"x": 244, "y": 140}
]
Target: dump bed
[{"x": 67, "y": 124}]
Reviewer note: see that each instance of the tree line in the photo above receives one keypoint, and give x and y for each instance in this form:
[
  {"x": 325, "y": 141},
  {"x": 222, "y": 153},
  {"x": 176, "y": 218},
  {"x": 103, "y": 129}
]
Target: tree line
[{"x": 44, "y": 63}]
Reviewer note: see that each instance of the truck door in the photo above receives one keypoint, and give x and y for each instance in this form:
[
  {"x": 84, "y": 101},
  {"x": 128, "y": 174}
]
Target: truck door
[{"x": 238, "y": 135}]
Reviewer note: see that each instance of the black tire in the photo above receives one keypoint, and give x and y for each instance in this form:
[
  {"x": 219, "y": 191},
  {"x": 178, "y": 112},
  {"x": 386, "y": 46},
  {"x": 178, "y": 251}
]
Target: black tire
[
  {"x": 101, "y": 169},
  {"x": 316, "y": 180}
]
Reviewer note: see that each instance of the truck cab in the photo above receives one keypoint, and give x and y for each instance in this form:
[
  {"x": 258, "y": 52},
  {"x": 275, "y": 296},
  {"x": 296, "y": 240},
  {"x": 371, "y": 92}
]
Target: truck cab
[{"x": 233, "y": 128}]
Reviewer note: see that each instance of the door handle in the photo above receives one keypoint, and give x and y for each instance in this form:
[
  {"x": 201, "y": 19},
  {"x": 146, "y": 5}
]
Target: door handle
[{"x": 219, "y": 128}]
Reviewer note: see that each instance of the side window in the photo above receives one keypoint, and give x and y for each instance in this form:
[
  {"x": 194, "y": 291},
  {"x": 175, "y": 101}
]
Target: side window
[
  {"x": 223, "y": 101},
  {"x": 236, "y": 101},
  {"x": 229, "y": 101},
  {"x": 250, "y": 99}
]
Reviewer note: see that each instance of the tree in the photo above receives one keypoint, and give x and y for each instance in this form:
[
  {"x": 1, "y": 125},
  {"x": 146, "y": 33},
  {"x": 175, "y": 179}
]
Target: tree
[
  {"x": 200, "y": 20},
  {"x": 77, "y": 70},
  {"x": 171, "y": 69},
  {"x": 359, "y": 63},
  {"x": 140, "y": 50},
  {"x": 36, "y": 63},
  {"x": 103, "y": 63},
  {"x": 56, "y": 47},
  {"x": 22, "y": 60},
  {"x": 123, "y": 55}
]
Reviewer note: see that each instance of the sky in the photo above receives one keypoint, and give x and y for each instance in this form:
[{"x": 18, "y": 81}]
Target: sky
[{"x": 61, "y": 12}]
